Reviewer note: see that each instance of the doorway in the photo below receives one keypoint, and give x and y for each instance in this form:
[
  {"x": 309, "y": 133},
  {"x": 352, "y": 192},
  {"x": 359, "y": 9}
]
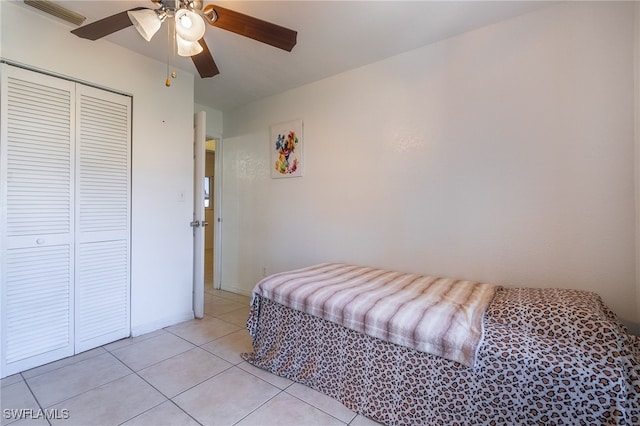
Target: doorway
[{"x": 209, "y": 214}]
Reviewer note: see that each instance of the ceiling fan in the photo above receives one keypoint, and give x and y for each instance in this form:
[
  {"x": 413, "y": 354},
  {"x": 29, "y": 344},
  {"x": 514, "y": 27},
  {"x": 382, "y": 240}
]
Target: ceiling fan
[{"x": 186, "y": 27}]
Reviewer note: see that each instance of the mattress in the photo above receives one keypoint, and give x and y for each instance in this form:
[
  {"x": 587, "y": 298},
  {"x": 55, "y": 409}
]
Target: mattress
[{"x": 431, "y": 314}]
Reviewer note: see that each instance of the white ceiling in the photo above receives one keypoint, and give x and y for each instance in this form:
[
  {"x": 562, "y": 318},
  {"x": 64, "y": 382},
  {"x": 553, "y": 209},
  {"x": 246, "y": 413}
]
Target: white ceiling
[{"x": 333, "y": 36}]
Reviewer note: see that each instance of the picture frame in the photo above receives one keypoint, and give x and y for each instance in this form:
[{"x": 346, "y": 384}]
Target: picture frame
[{"x": 286, "y": 146}]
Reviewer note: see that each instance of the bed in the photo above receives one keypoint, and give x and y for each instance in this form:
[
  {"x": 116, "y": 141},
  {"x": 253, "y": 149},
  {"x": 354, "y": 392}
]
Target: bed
[{"x": 375, "y": 340}]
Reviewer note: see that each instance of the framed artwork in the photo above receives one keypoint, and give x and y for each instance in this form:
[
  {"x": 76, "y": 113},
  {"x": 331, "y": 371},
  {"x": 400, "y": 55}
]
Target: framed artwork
[{"x": 286, "y": 147}]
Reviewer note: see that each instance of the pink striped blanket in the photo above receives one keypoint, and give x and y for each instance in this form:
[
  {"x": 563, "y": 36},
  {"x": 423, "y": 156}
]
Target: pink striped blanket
[{"x": 440, "y": 316}]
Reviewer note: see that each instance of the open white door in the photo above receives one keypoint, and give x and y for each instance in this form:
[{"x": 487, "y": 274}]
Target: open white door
[{"x": 198, "y": 213}]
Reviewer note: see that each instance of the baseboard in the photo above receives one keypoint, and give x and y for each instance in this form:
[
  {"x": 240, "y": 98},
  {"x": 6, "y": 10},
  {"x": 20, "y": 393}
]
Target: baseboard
[
  {"x": 235, "y": 289},
  {"x": 140, "y": 329}
]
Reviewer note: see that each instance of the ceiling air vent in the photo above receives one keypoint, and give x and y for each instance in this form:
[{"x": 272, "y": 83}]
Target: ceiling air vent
[{"x": 56, "y": 10}]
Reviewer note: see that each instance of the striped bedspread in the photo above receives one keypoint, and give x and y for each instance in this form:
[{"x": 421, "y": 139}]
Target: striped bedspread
[{"x": 440, "y": 316}]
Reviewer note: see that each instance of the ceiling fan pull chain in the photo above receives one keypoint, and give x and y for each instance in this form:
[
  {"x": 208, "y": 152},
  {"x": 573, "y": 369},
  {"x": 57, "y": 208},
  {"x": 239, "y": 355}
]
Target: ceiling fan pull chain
[
  {"x": 168, "y": 80},
  {"x": 169, "y": 47},
  {"x": 173, "y": 48}
]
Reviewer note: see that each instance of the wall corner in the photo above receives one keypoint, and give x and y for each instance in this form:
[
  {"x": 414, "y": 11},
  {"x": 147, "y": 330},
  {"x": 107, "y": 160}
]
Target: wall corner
[{"x": 636, "y": 112}]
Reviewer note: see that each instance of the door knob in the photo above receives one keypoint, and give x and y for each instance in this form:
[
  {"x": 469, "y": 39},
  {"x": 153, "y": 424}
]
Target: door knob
[
  {"x": 204, "y": 223},
  {"x": 194, "y": 224}
]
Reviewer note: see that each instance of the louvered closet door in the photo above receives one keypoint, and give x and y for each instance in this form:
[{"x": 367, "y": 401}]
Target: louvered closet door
[
  {"x": 36, "y": 232},
  {"x": 102, "y": 217}
]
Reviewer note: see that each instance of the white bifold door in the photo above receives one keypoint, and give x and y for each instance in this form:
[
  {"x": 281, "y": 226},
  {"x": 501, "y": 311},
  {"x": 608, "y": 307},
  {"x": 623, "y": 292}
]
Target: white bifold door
[{"x": 65, "y": 161}]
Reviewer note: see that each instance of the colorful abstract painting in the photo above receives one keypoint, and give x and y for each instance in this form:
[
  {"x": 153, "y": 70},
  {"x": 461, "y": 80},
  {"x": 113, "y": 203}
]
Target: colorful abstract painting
[{"x": 286, "y": 149}]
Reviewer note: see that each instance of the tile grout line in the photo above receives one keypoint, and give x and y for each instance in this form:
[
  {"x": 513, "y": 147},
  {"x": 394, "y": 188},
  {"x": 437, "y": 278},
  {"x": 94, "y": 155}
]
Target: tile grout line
[
  {"x": 62, "y": 366},
  {"x": 199, "y": 383},
  {"x": 83, "y": 392},
  {"x": 34, "y": 397},
  {"x": 259, "y": 406},
  {"x": 209, "y": 341},
  {"x": 156, "y": 389},
  {"x": 134, "y": 372},
  {"x": 318, "y": 408}
]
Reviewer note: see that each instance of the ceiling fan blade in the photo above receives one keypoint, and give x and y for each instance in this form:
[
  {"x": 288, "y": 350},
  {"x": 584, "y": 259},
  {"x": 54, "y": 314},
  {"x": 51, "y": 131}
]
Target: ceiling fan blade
[
  {"x": 204, "y": 61},
  {"x": 257, "y": 29},
  {"x": 105, "y": 26}
]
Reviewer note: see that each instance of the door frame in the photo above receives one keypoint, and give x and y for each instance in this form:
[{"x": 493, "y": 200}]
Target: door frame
[{"x": 217, "y": 203}]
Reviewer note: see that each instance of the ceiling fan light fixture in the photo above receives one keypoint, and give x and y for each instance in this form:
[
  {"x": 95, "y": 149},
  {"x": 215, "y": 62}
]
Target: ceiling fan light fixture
[
  {"x": 146, "y": 21},
  {"x": 187, "y": 48},
  {"x": 210, "y": 14},
  {"x": 189, "y": 25}
]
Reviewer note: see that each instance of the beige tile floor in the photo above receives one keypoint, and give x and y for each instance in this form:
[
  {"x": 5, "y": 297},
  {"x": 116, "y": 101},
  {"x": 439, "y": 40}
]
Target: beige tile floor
[{"x": 187, "y": 374}]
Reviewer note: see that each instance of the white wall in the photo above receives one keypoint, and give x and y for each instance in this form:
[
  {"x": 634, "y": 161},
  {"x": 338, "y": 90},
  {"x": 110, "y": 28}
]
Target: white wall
[
  {"x": 162, "y": 153},
  {"x": 504, "y": 155},
  {"x": 214, "y": 120}
]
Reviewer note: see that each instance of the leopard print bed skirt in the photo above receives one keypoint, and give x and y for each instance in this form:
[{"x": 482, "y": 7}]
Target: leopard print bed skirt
[{"x": 549, "y": 357}]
